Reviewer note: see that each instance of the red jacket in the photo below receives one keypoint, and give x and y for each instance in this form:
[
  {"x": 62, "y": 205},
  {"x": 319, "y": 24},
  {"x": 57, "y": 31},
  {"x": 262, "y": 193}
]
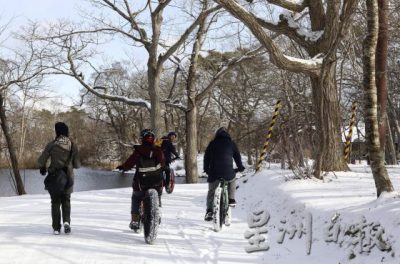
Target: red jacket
[{"x": 146, "y": 151}]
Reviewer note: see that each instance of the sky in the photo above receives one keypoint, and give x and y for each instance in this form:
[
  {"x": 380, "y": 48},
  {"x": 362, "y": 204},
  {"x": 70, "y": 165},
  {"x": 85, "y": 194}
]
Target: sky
[
  {"x": 277, "y": 220},
  {"x": 64, "y": 90}
]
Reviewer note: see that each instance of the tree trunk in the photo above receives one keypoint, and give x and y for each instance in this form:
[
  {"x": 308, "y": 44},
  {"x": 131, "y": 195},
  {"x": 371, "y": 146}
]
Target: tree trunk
[
  {"x": 191, "y": 145},
  {"x": 11, "y": 148},
  {"x": 191, "y": 113},
  {"x": 381, "y": 70},
  {"x": 329, "y": 155},
  {"x": 154, "y": 69},
  {"x": 153, "y": 75},
  {"x": 391, "y": 158},
  {"x": 379, "y": 172}
]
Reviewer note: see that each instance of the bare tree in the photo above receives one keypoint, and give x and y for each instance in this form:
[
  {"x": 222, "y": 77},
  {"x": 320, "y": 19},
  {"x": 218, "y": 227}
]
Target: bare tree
[
  {"x": 382, "y": 180},
  {"x": 134, "y": 29},
  {"x": 25, "y": 66},
  {"x": 327, "y": 30}
]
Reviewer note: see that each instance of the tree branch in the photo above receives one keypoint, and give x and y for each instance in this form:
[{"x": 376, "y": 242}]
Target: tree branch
[
  {"x": 185, "y": 35},
  {"x": 278, "y": 58},
  {"x": 291, "y": 5},
  {"x": 78, "y": 77}
]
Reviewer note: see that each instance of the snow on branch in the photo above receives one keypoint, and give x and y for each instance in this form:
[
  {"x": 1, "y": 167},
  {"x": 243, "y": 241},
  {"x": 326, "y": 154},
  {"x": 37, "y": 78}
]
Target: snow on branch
[
  {"x": 302, "y": 31},
  {"x": 78, "y": 76},
  {"x": 292, "y": 5},
  {"x": 278, "y": 58}
]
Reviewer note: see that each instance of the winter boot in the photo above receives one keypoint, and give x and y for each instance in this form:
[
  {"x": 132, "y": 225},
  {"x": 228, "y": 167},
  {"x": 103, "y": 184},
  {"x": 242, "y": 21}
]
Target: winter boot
[
  {"x": 208, "y": 216},
  {"x": 134, "y": 224},
  {"x": 232, "y": 202},
  {"x": 67, "y": 228}
]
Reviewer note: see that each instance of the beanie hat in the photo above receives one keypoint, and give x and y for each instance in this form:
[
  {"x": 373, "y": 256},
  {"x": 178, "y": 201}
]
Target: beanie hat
[
  {"x": 172, "y": 133},
  {"x": 61, "y": 129}
]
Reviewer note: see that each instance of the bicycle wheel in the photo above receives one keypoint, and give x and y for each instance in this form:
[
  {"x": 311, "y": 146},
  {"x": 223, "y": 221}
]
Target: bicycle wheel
[
  {"x": 218, "y": 218},
  {"x": 151, "y": 217},
  {"x": 170, "y": 188},
  {"x": 228, "y": 217},
  {"x": 171, "y": 181}
]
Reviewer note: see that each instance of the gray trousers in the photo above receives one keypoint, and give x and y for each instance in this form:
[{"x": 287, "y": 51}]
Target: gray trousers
[{"x": 211, "y": 189}]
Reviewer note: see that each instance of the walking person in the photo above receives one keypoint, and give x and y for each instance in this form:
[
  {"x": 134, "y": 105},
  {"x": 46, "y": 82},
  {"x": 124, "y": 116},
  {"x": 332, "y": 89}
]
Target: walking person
[
  {"x": 63, "y": 154},
  {"x": 218, "y": 163},
  {"x": 148, "y": 160}
]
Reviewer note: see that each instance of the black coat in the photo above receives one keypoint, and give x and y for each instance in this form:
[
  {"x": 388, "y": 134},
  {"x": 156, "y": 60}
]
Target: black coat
[
  {"x": 168, "y": 148},
  {"x": 218, "y": 158}
]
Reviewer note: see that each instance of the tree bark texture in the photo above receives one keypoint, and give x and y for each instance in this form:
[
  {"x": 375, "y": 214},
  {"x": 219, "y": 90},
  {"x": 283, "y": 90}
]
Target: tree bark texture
[
  {"x": 381, "y": 70},
  {"x": 329, "y": 155},
  {"x": 391, "y": 156},
  {"x": 11, "y": 148},
  {"x": 379, "y": 172},
  {"x": 154, "y": 73},
  {"x": 191, "y": 145}
]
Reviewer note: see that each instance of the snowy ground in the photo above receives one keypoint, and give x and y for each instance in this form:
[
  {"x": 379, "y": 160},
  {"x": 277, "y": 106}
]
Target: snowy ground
[{"x": 100, "y": 220}]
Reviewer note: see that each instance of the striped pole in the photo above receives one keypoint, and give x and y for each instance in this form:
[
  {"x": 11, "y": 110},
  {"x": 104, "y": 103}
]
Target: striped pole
[
  {"x": 349, "y": 136},
  {"x": 269, "y": 135}
]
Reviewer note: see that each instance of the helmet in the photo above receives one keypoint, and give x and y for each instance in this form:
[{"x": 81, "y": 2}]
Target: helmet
[{"x": 147, "y": 133}]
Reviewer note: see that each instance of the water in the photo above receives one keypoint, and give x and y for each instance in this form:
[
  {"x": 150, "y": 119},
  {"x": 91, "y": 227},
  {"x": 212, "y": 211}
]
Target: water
[{"x": 86, "y": 179}]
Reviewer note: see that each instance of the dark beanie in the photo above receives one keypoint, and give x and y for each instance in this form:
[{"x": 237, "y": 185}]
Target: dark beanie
[{"x": 61, "y": 129}]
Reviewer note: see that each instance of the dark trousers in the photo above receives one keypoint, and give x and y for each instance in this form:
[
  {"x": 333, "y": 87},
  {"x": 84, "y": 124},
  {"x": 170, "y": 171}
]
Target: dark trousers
[
  {"x": 137, "y": 198},
  {"x": 64, "y": 202},
  {"x": 167, "y": 174}
]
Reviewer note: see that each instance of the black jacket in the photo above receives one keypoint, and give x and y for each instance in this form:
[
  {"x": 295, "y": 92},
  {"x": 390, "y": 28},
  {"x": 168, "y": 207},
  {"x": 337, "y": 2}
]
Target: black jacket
[
  {"x": 168, "y": 148},
  {"x": 218, "y": 158}
]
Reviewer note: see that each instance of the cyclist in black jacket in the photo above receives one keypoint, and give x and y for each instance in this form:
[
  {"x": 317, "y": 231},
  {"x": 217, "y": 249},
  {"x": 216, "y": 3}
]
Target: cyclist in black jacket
[
  {"x": 218, "y": 164},
  {"x": 168, "y": 148}
]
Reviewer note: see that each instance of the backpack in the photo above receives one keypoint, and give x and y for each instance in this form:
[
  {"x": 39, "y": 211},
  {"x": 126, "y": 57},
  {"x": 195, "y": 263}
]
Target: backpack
[
  {"x": 149, "y": 173},
  {"x": 56, "y": 183},
  {"x": 158, "y": 142}
]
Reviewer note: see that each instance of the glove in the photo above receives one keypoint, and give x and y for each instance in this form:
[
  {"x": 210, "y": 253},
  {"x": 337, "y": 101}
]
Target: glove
[
  {"x": 43, "y": 170},
  {"x": 241, "y": 169},
  {"x": 120, "y": 168}
]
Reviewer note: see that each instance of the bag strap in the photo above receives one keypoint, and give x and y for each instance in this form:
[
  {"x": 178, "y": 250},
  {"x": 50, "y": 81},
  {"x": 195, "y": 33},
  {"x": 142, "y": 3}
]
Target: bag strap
[{"x": 70, "y": 156}]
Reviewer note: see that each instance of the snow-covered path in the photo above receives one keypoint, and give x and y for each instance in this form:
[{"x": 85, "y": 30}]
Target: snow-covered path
[
  {"x": 323, "y": 212},
  {"x": 100, "y": 232}
]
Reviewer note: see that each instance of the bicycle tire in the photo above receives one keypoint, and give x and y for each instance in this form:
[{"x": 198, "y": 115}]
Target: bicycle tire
[
  {"x": 151, "y": 218},
  {"x": 171, "y": 181},
  {"x": 217, "y": 209}
]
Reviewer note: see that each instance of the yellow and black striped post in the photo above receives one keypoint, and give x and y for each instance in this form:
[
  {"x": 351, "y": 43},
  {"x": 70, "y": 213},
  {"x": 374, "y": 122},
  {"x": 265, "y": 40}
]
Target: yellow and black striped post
[
  {"x": 269, "y": 135},
  {"x": 349, "y": 135}
]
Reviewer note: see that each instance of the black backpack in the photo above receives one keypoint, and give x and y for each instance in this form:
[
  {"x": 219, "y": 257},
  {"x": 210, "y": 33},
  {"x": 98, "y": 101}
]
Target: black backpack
[
  {"x": 57, "y": 182},
  {"x": 149, "y": 173}
]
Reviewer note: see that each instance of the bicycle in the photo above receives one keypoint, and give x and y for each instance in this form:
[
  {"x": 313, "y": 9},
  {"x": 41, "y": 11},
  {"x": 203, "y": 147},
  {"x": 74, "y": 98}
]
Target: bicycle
[
  {"x": 170, "y": 188},
  {"x": 150, "y": 216},
  {"x": 221, "y": 209}
]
